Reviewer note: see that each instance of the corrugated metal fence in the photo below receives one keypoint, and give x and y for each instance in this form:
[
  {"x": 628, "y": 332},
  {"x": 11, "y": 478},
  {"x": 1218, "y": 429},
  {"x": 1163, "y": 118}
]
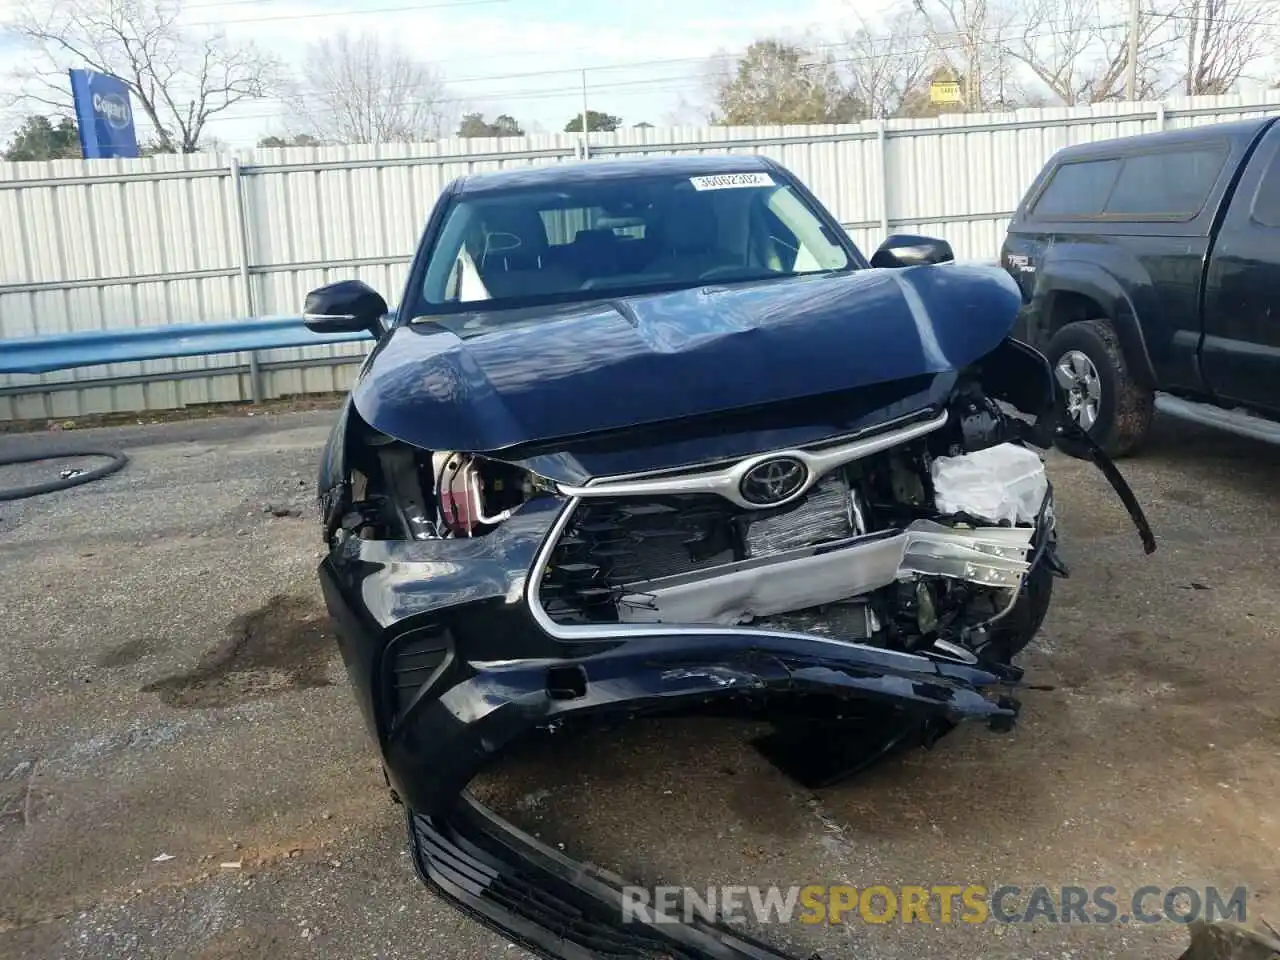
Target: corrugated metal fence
[{"x": 104, "y": 244}]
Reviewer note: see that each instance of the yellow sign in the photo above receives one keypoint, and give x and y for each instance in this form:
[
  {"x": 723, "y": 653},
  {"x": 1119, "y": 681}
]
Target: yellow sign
[{"x": 945, "y": 91}]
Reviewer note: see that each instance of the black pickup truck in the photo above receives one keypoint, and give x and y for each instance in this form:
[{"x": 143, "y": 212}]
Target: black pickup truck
[{"x": 1149, "y": 268}]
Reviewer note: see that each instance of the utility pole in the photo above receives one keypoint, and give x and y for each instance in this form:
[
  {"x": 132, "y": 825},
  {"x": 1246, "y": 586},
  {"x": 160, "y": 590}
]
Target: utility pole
[
  {"x": 1131, "y": 73},
  {"x": 585, "y": 149}
]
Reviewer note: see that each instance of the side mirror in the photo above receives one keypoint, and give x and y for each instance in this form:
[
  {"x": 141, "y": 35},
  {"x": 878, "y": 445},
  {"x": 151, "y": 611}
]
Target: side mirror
[
  {"x": 345, "y": 307},
  {"x": 908, "y": 250}
]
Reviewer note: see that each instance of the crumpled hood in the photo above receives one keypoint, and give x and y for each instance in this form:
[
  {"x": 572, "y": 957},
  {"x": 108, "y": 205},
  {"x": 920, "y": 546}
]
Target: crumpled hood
[{"x": 508, "y": 378}]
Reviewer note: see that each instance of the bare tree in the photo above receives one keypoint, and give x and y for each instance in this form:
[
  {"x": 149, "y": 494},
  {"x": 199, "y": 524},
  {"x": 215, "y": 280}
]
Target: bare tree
[
  {"x": 363, "y": 90},
  {"x": 1079, "y": 49},
  {"x": 966, "y": 34},
  {"x": 1221, "y": 40},
  {"x": 885, "y": 66},
  {"x": 179, "y": 79}
]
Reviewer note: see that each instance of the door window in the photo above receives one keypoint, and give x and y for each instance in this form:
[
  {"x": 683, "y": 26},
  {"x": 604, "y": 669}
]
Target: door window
[
  {"x": 1078, "y": 189},
  {"x": 1171, "y": 183},
  {"x": 1266, "y": 202}
]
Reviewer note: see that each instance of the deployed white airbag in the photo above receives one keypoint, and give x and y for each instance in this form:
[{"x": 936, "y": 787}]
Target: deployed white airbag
[{"x": 1003, "y": 483}]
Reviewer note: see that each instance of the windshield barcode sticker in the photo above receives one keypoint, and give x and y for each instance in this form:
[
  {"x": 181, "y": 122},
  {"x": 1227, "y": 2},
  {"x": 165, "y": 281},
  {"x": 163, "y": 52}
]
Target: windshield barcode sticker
[{"x": 727, "y": 181}]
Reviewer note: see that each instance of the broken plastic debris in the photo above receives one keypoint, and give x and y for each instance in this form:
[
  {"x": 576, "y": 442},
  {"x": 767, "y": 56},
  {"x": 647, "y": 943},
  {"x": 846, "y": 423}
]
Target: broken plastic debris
[
  {"x": 163, "y": 858},
  {"x": 68, "y": 474}
]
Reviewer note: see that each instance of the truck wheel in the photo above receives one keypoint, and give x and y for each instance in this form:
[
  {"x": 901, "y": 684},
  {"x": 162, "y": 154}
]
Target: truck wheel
[{"x": 1096, "y": 389}]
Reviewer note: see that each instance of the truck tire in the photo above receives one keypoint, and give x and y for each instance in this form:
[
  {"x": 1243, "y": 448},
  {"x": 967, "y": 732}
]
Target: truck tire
[{"x": 1096, "y": 389}]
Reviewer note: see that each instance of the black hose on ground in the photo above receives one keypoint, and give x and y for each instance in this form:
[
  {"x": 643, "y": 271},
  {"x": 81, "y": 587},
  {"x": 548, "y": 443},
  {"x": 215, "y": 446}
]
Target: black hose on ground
[{"x": 115, "y": 461}]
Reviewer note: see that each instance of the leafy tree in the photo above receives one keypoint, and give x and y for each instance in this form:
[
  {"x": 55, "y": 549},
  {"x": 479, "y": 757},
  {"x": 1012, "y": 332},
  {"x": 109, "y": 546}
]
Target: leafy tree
[
  {"x": 605, "y": 122},
  {"x": 39, "y": 139},
  {"x": 475, "y": 125},
  {"x": 776, "y": 82},
  {"x": 643, "y": 125}
]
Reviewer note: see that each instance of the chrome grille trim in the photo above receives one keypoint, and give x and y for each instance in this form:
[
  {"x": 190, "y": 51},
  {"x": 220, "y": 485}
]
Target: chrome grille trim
[
  {"x": 617, "y": 631},
  {"x": 725, "y": 481}
]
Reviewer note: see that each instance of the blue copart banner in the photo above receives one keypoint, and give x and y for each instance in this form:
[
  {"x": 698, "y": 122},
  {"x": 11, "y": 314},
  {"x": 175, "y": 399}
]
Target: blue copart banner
[{"x": 104, "y": 115}]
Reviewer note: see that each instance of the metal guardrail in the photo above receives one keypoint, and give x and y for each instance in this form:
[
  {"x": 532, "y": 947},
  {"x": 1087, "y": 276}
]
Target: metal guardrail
[{"x": 65, "y": 351}]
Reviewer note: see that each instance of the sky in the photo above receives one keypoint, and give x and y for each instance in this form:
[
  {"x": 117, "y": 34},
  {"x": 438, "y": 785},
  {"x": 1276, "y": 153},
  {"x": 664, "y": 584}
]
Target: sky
[{"x": 521, "y": 57}]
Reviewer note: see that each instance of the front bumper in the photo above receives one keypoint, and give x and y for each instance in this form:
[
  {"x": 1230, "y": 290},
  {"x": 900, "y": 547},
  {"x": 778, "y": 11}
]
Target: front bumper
[{"x": 451, "y": 664}]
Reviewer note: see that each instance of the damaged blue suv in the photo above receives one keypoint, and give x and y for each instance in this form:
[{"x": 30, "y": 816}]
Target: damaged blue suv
[{"x": 652, "y": 435}]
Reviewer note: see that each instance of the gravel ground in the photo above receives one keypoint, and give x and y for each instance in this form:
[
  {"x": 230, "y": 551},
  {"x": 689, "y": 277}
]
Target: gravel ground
[{"x": 183, "y": 772}]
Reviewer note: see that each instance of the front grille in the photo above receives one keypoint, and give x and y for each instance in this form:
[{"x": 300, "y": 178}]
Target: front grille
[{"x": 611, "y": 542}]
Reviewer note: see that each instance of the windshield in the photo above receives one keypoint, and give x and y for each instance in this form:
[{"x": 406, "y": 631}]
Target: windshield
[{"x": 522, "y": 246}]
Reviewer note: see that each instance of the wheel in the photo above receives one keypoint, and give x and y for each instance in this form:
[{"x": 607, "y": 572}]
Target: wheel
[{"x": 1096, "y": 389}]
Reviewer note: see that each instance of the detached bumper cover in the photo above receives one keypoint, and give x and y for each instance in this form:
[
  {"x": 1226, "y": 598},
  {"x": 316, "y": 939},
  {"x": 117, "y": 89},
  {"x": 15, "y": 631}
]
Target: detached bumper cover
[
  {"x": 434, "y": 757},
  {"x": 468, "y": 710},
  {"x": 551, "y": 905}
]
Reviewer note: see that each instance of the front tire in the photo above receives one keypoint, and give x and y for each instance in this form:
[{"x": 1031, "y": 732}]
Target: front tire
[{"x": 1096, "y": 389}]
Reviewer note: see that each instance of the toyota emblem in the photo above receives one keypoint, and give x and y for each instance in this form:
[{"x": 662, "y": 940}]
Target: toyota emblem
[{"x": 773, "y": 481}]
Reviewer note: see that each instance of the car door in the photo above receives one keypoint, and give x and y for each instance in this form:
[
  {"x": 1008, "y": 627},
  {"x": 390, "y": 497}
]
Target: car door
[{"x": 1240, "y": 353}]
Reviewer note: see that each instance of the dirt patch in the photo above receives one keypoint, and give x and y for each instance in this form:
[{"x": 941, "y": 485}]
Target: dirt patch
[
  {"x": 285, "y": 645},
  {"x": 239, "y": 944},
  {"x": 129, "y": 652},
  {"x": 1190, "y": 498},
  {"x": 17, "y": 796}
]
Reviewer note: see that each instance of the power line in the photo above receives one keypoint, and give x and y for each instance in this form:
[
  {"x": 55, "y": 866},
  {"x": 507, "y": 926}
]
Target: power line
[
  {"x": 457, "y": 4},
  {"x": 931, "y": 44},
  {"x": 678, "y": 82},
  {"x": 935, "y": 43},
  {"x": 511, "y": 53},
  {"x": 682, "y": 81},
  {"x": 948, "y": 41},
  {"x": 470, "y": 58},
  {"x": 667, "y": 83}
]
